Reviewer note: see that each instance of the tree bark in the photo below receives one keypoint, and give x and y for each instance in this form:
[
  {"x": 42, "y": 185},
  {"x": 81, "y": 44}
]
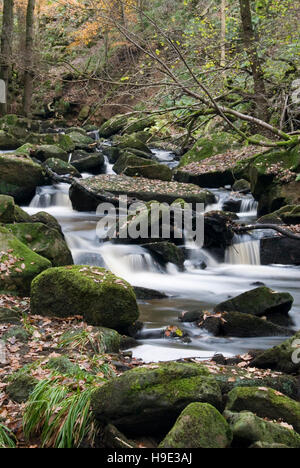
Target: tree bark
[
  {"x": 6, "y": 48},
  {"x": 223, "y": 33},
  {"x": 250, "y": 42},
  {"x": 29, "y": 72}
]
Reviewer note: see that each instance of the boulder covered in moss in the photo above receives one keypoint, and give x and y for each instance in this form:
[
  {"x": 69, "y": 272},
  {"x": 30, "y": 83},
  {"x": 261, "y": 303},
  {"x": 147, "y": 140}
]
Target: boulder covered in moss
[
  {"x": 20, "y": 387},
  {"x": 166, "y": 252},
  {"x": 17, "y": 333},
  {"x": 43, "y": 240},
  {"x": 7, "y": 209},
  {"x": 61, "y": 140},
  {"x": 8, "y": 141},
  {"x": 87, "y": 162},
  {"x": 47, "y": 219},
  {"x": 132, "y": 166},
  {"x": 265, "y": 402},
  {"x": 261, "y": 301},
  {"x": 61, "y": 167},
  {"x": 21, "y": 216},
  {"x": 123, "y": 122},
  {"x": 19, "y": 264},
  {"x": 44, "y": 152},
  {"x": 149, "y": 399},
  {"x": 249, "y": 429},
  {"x": 284, "y": 357},
  {"x": 9, "y": 316},
  {"x": 99, "y": 296},
  {"x": 199, "y": 425},
  {"x": 19, "y": 176},
  {"x": 242, "y": 325},
  {"x": 86, "y": 194},
  {"x": 132, "y": 142},
  {"x": 241, "y": 186},
  {"x": 81, "y": 141}
]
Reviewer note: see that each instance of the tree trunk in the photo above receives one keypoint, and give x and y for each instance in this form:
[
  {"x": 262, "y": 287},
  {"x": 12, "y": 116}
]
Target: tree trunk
[
  {"x": 29, "y": 72},
  {"x": 250, "y": 42},
  {"x": 223, "y": 33},
  {"x": 6, "y": 48}
]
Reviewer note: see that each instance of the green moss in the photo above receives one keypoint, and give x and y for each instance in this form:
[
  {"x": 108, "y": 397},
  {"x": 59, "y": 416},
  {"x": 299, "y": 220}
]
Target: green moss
[
  {"x": 63, "y": 365},
  {"x": 199, "y": 425},
  {"x": 21, "y": 387},
  {"x": 19, "y": 333},
  {"x": 7, "y": 209},
  {"x": 61, "y": 167},
  {"x": 80, "y": 140},
  {"x": 63, "y": 141}
]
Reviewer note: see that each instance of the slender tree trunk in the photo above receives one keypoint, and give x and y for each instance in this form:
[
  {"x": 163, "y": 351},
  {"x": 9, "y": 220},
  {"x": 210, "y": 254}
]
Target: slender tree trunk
[
  {"x": 6, "y": 47},
  {"x": 29, "y": 72},
  {"x": 250, "y": 42},
  {"x": 223, "y": 33}
]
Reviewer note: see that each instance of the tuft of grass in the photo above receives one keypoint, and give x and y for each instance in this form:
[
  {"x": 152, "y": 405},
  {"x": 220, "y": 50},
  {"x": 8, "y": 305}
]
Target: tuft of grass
[
  {"x": 58, "y": 410},
  {"x": 81, "y": 340},
  {"x": 7, "y": 439}
]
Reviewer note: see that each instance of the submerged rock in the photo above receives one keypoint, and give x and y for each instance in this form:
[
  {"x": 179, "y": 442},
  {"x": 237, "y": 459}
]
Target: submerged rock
[
  {"x": 261, "y": 301},
  {"x": 19, "y": 264},
  {"x": 19, "y": 176},
  {"x": 101, "y": 297},
  {"x": 248, "y": 429},
  {"x": 265, "y": 403},
  {"x": 199, "y": 425},
  {"x": 44, "y": 241},
  {"x": 138, "y": 399},
  {"x": 87, "y": 194}
]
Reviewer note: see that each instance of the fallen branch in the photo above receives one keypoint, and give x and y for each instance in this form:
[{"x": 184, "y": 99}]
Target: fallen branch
[{"x": 251, "y": 227}]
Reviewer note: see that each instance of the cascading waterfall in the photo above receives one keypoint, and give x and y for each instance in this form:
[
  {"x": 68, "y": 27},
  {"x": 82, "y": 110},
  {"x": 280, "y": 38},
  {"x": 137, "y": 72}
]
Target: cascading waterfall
[
  {"x": 244, "y": 251},
  {"x": 249, "y": 206},
  {"x": 52, "y": 195}
]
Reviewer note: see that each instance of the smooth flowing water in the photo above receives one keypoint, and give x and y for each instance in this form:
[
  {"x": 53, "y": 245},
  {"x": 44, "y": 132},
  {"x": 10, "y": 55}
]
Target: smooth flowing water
[{"x": 193, "y": 289}]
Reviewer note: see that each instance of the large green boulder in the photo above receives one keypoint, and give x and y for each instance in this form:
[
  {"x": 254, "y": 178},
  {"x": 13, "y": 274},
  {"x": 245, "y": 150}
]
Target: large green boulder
[
  {"x": 266, "y": 403},
  {"x": 86, "y": 194},
  {"x": 284, "y": 357},
  {"x": 19, "y": 176},
  {"x": 128, "y": 142},
  {"x": 45, "y": 218},
  {"x": 288, "y": 214},
  {"x": 99, "y": 296},
  {"x": 87, "y": 162},
  {"x": 149, "y": 399},
  {"x": 261, "y": 301},
  {"x": 44, "y": 152},
  {"x": 7, "y": 209},
  {"x": 19, "y": 264},
  {"x": 123, "y": 122},
  {"x": 8, "y": 142},
  {"x": 199, "y": 425},
  {"x": 43, "y": 240},
  {"x": 61, "y": 167},
  {"x": 132, "y": 166},
  {"x": 247, "y": 429},
  {"x": 65, "y": 142},
  {"x": 81, "y": 141}
]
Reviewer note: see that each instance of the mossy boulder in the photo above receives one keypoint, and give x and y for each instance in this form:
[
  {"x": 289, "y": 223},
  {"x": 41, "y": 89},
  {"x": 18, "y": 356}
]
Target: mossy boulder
[
  {"x": 9, "y": 316},
  {"x": 101, "y": 297},
  {"x": 18, "y": 333},
  {"x": 241, "y": 186},
  {"x": 120, "y": 122},
  {"x": 20, "y": 215},
  {"x": 166, "y": 252},
  {"x": 43, "y": 240},
  {"x": 63, "y": 365},
  {"x": 8, "y": 142},
  {"x": 20, "y": 387},
  {"x": 86, "y": 194},
  {"x": 81, "y": 141},
  {"x": 128, "y": 142},
  {"x": 266, "y": 403},
  {"x": 25, "y": 150},
  {"x": 284, "y": 357},
  {"x": 289, "y": 214},
  {"x": 277, "y": 195},
  {"x": 208, "y": 146},
  {"x": 132, "y": 166},
  {"x": 141, "y": 397},
  {"x": 44, "y": 152},
  {"x": 19, "y": 176},
  {"x": 61, "y": 167},
  {"x": 7, "y": 209},
  {"x": 261, "y": 301},
  {"x": 241, "y": 325},
  {"x": 47, "y": 219},
  {"x": 87, "y": 162},
  {"x": 64, "y": 142},
  {"x": 199, "y": 425},
  {"x": 19, "y": 264},
  {"x": 248, "y": 429}
]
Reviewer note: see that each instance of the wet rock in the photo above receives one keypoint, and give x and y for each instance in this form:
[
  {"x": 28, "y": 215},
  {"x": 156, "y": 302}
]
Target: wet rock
[
  {"x": 132, "y": 166},
  {"x": 88, "y": 193},
  {"x": 233, "y": 205},
  {"x": 43, "y": 240},
  {"x": 248, "y": 429},
  {"x": 21, "y": 387},
  {"x": 8, "y": 142},
  {"x": 130, "y": 142},
  {"x": 199, "y": 425},
  {"x": 135, "y": 401},
  {"x": 81, "y": 141},
  {"x": 146, "y": 293},
  {"x": 166, "y": 252},
  {"x": 45, "y": 152},
  {"x": 279, "y": 250},
  {"x": 260, "y": 301},
  {"x": 47, "y": 219},
  {"x": 101, "y": 297},
  {"x": 241, "y": 186},
  {"x": 242, "y": 325},
  {"x": 7, "y": 209},
  {"x": 87, "y": 162},
  {"x": 218, "y": 229},
  {"x": 120, "y": 122},
  {"x": 192, "y": 316},
  {"x": 19, "y": 177},
  {"x": 284, "y": 357},
  {"x": 266, "y": 403},
  {"x": 61, "y": 167},
  {"x": 64, "y": 142},
  {"x": 20, "y": 263}
]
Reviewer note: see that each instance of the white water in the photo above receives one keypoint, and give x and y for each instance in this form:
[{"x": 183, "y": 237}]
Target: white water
[{"x": 193, "y": 289}]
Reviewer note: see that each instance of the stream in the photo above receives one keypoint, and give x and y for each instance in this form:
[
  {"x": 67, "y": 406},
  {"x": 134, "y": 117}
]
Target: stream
[{"x": 190, "y": 290}]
